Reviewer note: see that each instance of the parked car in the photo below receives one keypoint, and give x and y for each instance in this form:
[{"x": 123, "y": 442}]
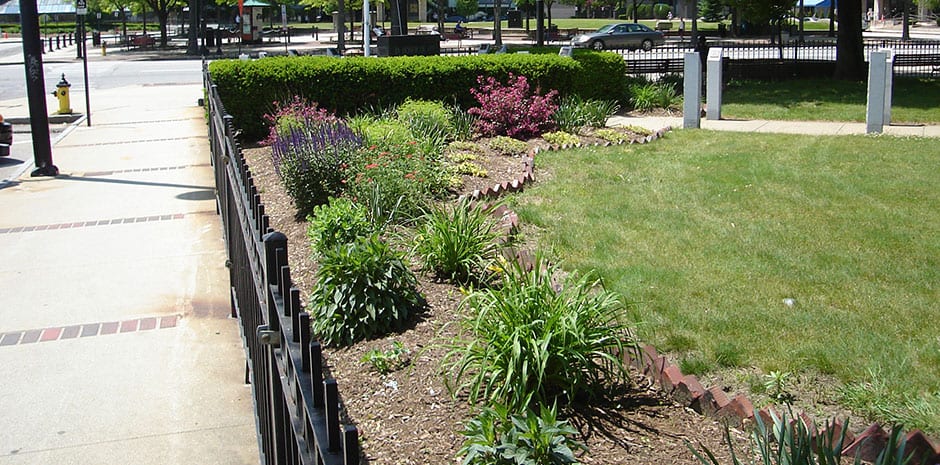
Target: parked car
[
  {"x": 6, "y": 137},
  {"x": 624, "y": 35}
]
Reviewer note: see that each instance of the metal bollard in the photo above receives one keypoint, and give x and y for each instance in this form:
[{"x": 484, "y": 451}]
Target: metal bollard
[
  {"x": 57, "y": 42},
  {"x": 50, "y": 44}
]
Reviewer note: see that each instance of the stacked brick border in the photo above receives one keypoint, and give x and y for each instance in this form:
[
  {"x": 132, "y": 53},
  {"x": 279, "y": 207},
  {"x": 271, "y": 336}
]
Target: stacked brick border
[{"x": 687, "y": 390}]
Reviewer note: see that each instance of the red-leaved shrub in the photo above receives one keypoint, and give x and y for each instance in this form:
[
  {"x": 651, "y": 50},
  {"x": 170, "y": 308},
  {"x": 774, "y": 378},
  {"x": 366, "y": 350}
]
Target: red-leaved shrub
[{"x": 512, "y": 110}]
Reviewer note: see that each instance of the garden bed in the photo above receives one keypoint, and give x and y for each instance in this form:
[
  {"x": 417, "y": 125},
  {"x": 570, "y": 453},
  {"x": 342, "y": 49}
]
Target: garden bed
[{"x": 409, "y": 416}]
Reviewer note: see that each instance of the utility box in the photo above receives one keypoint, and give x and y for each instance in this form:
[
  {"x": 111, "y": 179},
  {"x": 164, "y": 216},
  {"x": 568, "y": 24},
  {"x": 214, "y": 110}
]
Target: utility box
[
  {"x": 514, "y": 18},
  {"x": 399, "y": 45}
]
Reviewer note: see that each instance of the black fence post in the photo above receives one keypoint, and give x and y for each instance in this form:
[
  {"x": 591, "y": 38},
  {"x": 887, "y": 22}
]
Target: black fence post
[
  {"x": 332, "y": 415},
  {"x": 303, "y": 318},
  {"x": 350, "y": 445},
  {"x": 316, "y": 373},
  {"x": 295, "y": 312}
]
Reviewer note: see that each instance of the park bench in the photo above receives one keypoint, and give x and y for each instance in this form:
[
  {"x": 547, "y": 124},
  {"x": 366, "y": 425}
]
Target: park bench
[
  {"x": 919, "y": 60},
  {"x": 662, "y": 66},
  {"x": 141, "y": 41}
]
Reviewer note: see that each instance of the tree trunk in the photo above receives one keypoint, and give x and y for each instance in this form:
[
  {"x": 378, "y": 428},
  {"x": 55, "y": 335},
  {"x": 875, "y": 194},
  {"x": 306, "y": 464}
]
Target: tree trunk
[
  {"x": 905, "y": 21},
  {"x": 163, "y": 17},
  {"x": 850, "y": 59}
]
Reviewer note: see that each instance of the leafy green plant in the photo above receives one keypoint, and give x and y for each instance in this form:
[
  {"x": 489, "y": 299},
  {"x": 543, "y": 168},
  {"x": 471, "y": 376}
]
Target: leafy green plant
[
  {"x": 611, "y": 135},
  {"x": 463, "y": 123},
  {"x": 561, "y": 138},
  {"x": 792, "y": 442},
  {"x": 398, "y": 178},
  {"x": 496, "y": 438},
  {"x": 651, "y": 96},
  {"x": 782, "y": 443},
  {"x": 694, "y": 364},
  {"x": 575, "y": 113},
  {"x": 429, "y": 122},
  {"x": 383, "y": 132},
  {"x": 460, "y": 157},
  {"x": 340, "y": 221},
  {"x": 527, "y": 341},
  {"x": 471, "y": 169},
  {"x": 364, "y": 289},
  {"x": 387, "y": 361},
  {"x": 459, "y": 242},
  {"x": 508, "y": 146},
  {"x": 777, "y": 386}
]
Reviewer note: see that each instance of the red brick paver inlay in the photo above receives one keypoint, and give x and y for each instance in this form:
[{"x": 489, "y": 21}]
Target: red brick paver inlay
[
  {"x": 104, "y": 222},
  {"x": 59, "y": 333}
]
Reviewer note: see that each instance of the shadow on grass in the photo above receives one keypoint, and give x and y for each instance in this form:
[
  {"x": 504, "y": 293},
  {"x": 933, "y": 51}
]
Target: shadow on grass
[{"x": 819, "y": 99}]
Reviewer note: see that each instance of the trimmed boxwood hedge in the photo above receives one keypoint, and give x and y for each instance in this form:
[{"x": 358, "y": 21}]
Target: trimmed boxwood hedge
[{"x": 248, "y": 88}]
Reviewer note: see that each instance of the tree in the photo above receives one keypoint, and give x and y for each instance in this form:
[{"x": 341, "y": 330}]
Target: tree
[
  {"x": 850, "y": 56},
  {"x": 711, "y": 10},
  {"x": 162, "y": 9},
  {"x": 467, "y": 7},
  {"x": 121, "y": 6},
  {"x": 761, "y": 13}
]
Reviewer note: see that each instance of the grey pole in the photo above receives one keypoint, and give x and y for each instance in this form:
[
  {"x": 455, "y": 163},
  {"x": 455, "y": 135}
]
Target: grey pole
[
  {"x": 692, "y": 91},
  {"x": 713, "y": 84},
  {"x": 874, "y": 113}
]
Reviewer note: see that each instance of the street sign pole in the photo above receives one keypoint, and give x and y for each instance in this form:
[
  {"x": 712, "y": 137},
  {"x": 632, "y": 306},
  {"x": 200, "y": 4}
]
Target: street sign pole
[
  {"x": 81, "y": 9},
  {"x": 36, "y": 90}
]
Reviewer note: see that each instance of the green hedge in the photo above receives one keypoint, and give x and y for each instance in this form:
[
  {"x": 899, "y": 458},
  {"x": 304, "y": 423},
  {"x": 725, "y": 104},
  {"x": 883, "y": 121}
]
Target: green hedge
[{"x": 346, "y": 85}]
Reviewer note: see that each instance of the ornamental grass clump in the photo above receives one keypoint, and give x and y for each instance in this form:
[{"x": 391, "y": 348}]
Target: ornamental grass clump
[
  {"x": 524, "y": 343},
  {"x": 512, "y": 110},
  {"x": 458, "y": 243},
  {"x": 364, "y": 289},
  {"x": 312, "y": 160},
  {"x": 575, "y": 113},
  {"x": 650, "y": 96}
]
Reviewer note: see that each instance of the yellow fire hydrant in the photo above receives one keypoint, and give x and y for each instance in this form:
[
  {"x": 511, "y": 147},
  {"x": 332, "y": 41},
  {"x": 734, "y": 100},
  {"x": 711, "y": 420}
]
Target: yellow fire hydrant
[{"x": 62, "y": 93}]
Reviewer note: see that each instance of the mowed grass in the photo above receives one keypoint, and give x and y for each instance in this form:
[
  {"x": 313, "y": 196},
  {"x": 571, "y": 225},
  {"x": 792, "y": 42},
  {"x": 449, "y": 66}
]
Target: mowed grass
[
  {"x": 914, "y": 100},
  {"x": 711, "y": 234}
]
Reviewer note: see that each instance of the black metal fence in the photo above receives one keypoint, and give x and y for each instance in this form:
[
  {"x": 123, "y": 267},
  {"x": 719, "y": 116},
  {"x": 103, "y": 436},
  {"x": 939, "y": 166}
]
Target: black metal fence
[
  {"x": 792, "y": 58},
  {"x": 296, "y": 409}
]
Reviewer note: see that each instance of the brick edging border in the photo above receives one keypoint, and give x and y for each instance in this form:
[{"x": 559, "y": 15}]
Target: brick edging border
[
  {"x": 687, "y": 390},
  {"x": 738, "y": 411}
]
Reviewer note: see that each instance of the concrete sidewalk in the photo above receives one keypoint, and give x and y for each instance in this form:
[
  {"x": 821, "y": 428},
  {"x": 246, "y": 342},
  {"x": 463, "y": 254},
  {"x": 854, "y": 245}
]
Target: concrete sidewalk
[
  {"x": 115, "y": 336},
  {"x": 810, "y": 128}
]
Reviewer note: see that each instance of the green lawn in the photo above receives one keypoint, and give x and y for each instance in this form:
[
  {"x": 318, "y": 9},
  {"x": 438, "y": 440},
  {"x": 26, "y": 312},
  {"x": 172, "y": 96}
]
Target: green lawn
[
  {"x": 710, "y": 232},
  {"x": 914, "y": 100}
]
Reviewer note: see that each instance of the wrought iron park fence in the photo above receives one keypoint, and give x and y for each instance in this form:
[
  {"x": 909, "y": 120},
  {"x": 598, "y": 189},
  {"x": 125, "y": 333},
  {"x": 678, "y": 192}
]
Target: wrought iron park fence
[
  {"x": 296, "y": 409},
  {"x": 791, "y": 58}
]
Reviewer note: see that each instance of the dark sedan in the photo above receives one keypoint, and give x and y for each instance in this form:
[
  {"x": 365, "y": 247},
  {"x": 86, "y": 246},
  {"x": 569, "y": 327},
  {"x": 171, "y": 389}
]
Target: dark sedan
[{"x": 624, "y": 35}]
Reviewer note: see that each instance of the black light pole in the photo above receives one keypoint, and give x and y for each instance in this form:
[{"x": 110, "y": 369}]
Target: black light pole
[
  {"x": 539, "y": 23},
  {"x": 36, "y": 90}
]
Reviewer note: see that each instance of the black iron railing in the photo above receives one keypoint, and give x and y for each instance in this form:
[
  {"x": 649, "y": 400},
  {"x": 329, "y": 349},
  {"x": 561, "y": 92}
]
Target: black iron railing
[
  {"x": 296, "y": 409},
  {"x": 916, "y": 58}
]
